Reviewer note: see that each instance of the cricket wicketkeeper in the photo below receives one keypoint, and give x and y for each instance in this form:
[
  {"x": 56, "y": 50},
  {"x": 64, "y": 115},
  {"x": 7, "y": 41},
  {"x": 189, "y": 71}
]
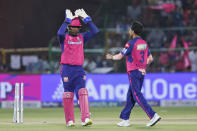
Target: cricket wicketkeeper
[{"x": 72, "y": 58}]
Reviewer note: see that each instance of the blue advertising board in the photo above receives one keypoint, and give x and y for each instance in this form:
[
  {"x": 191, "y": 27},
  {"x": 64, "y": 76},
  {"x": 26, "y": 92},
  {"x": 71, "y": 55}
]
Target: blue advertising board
[{"x": 113, "y": 87}]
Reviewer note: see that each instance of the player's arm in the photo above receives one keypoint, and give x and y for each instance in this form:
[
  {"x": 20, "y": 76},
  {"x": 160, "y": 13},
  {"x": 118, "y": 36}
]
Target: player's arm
[
  {"x": 87, "y": 20},
  {"x": 90, "y": 34},
  {"x": 62, "y": 29},
  {"x": 150, "y": 59},
  {"x": 125, "y": 51},
  {"x": 61, "y": 32},
  {"x": 114, "y": 57}
]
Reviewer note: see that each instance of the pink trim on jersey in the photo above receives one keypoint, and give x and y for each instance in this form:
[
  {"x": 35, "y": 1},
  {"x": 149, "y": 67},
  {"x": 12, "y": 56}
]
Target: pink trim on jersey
[
  {"x": 137, "y": 97},
  {"x": 139, "y": 55},
  {"x": 73, "y": 50}
]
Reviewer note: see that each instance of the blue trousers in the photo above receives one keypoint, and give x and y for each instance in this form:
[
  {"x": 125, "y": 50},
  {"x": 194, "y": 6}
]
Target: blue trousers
[
  {"x": 73, "y": 77},
  {"x": 134, "y": 95}
]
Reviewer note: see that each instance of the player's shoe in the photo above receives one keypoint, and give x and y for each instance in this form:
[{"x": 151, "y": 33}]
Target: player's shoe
[
  {"x": 124, "y": 123},
  {"x": 154, "y": 120},
  {"x": 87, "y": 122},
  {"x": 70, "y": 124}
]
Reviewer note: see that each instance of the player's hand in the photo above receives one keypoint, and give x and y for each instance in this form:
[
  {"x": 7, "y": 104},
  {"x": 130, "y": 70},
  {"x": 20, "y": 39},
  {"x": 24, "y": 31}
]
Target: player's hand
[
  {"x": 69, "y": 16},
  {"x": 78, "y": 13},
  {"x": 109, "y": 56},
  {"x": 81, "y": 13},
  {"x": 143, "y": 71}
]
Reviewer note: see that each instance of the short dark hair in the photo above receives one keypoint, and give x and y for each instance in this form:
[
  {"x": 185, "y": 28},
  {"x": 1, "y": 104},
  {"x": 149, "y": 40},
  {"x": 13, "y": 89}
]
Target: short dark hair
[{"x": 137, "y": 27}]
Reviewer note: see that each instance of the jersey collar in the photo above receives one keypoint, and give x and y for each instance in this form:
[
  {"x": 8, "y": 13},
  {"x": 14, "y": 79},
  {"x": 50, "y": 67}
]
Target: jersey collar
[{"x": 136, "y": 38}]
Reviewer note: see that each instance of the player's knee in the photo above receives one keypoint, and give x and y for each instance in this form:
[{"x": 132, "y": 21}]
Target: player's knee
[
  {"x": 83, "y": 91},
  {"x": 68, "y": 95}
]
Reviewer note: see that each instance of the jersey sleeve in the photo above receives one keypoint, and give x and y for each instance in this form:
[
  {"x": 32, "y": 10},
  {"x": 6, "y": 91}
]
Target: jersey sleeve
[
  {"x": 61, "y": 32},
  {"x": 128, "y": 48},
  {"x": 93, "y": 31}
]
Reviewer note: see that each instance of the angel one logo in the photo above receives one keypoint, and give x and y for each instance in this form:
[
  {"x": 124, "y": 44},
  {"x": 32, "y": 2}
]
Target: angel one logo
[
  {"x": 157, "y": 89},
  {"x": 106, "y": 91}
]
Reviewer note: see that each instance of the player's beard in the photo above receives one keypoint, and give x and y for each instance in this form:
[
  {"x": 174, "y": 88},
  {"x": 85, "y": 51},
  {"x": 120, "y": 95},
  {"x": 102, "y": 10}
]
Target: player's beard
[{"x": 73, "y": 32}]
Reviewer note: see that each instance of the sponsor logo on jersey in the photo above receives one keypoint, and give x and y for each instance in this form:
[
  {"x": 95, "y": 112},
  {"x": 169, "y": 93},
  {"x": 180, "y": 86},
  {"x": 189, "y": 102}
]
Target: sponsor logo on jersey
[
  {"x": 141, "y": 46},
  {"x": 78, "y": 39},
  {"x": 75, "y": 43}
]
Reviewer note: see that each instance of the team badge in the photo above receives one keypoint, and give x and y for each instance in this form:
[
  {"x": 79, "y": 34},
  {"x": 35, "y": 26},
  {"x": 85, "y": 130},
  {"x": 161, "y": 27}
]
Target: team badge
[
  {"x": 65, "y": 79},
  {"x": 127, "y": 45}
]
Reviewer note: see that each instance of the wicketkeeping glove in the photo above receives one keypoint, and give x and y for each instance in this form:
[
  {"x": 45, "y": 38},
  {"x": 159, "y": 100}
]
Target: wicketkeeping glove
[
  {"x": 69, "y": 16},
  {"x": 78, "y": 13},
  {"x": 82, "y": 13}
]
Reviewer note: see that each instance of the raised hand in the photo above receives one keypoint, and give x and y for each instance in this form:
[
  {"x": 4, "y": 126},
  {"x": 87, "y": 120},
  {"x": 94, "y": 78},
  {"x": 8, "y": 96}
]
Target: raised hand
[
  {"x": 81, "y": 13},
  {"x": 69, "y": 16},
  {"x": 78, "y": 13}
]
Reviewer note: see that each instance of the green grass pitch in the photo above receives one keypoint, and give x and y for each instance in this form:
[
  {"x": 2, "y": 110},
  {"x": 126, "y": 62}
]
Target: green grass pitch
[{"x": 104, "y": 119}]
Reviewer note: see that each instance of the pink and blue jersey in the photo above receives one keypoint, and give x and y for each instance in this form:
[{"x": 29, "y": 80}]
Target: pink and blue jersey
[
  {"x": 136, "y": 52},
  {"x": 72, "y": 46},
  {"x": 72, "y": 57},
  {"x": 73, "y": 50}
]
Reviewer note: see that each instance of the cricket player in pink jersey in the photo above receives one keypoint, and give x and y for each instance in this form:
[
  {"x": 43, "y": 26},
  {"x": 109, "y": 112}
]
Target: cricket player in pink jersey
[
  {"x": 137, "y": 57},
  {"x": 72, "y": 58}
]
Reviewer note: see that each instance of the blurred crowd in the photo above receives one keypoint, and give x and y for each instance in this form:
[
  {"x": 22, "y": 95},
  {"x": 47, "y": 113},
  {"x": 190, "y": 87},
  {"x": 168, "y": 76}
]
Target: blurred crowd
[
  {"x": 168, "y": 24},
  {"x": 163, "y": 20}
]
